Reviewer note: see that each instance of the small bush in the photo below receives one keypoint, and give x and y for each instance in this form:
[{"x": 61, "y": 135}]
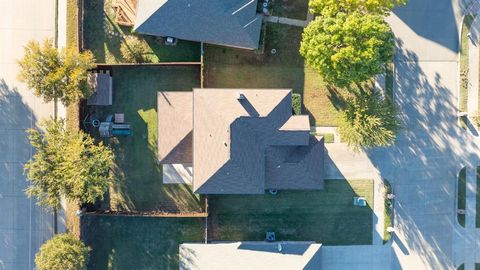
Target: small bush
[
  {"x": 63, "y": 251},
  {"x": 135, "y": 50},
  {"x": 297, "y": 103}
]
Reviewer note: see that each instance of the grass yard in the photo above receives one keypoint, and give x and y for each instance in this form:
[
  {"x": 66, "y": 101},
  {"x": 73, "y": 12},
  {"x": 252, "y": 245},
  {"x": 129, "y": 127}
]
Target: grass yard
[
  {"x": 326, "y": 216},
  {"x": 294, "y": 9},
  {"x": 461, "y": 194},
  {"x": 138, "y": 176},
  {"x": 104, "y": 37},
  {"x": 236, "y": 68},
  {"x": 467, "y": 22},
  {"x": 138, "y": 242}
]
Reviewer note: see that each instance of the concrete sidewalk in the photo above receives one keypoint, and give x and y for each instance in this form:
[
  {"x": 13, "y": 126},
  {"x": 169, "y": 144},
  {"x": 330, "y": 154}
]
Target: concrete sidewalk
[{"x": 24, "y": 226}]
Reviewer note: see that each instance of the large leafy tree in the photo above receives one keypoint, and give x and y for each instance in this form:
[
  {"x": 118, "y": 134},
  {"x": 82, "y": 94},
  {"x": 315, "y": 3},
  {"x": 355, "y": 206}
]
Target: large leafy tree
[
  {"x": 62, "y": 252},
  {"x": 348, "y": 48},
  {"x": 56, "y": 75},
  {"x": 330, "y": 8},
  {"x": 66, "y": 163},
  {"x": 368, "y": 121}
]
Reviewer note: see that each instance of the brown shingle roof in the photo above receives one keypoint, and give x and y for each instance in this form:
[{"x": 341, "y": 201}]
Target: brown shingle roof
[{"x": 175, "y": 127}]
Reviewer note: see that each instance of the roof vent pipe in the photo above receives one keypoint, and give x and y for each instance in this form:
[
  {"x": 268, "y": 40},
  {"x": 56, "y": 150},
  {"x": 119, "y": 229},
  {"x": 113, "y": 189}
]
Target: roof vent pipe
[{"x": 240, "y": 96}]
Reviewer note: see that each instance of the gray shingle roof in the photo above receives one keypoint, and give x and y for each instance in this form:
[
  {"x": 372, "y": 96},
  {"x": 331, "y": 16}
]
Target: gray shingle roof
[
  {"x": 240, "y": 146},
  {"x": 224, "y": 22},
  {"x": 232, "y": 139}
]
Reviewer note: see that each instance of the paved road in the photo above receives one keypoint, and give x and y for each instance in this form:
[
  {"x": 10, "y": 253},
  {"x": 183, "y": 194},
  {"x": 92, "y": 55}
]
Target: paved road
[
  {"x": 23, "y": 225},
  {"x": 425, "y": 161}
]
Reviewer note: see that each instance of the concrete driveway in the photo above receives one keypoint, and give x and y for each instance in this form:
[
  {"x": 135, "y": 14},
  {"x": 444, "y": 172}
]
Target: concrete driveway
[{"x": 23, "y": 225}]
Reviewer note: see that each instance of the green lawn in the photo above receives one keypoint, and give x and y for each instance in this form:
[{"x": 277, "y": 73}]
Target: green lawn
[
  {"x": 99, "y": 20},
  {"x": 467, "y": 21},
  {"x": 294, "y": 9},
  {"x": 138, "y": 242},
  {"x": 461, "y": 194},
  {"x": 138, "y": 176},
  {"x": 228, "y": 67},
  {"x": 326, "y": 216}
]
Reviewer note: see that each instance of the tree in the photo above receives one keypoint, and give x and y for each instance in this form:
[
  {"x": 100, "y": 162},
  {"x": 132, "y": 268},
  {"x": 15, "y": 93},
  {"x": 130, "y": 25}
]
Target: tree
[
  {"x": 331, "y": 8},
  {"x": 348, "y": 48},
  {"x": 62, "y": 252},
  {"x": 55, "y": 75},
  {"x": 368, "y": 121},
  {"x": 66, "y": 163}
]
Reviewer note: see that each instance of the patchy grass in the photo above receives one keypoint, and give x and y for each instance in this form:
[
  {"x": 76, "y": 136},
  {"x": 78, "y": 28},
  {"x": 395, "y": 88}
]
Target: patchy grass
[
  {"x": 327, "y": 137},
  {"x": 236, "y": 68},
  {"x": 294, "y": 9},
  {"x": 138, "y": 176},
  {"x": 73, "y": 115},
  {"x": 72, "y": 22},
  {"x": 387, "y": 212},
  {"x": 328, "y": 216},
  {"x": 104, "y": 38},
  {"x": 463, "y": 98},
  {"x": 461, "y": 194},
  {"x": 138, "y": 242}
]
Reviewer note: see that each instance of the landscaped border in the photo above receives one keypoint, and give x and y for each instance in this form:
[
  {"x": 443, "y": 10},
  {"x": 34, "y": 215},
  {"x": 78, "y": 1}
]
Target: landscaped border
[
  {"x": 461, "y": 195},
  {"x": 387, "y": 211},
  {"x": 464, "y": 41}
]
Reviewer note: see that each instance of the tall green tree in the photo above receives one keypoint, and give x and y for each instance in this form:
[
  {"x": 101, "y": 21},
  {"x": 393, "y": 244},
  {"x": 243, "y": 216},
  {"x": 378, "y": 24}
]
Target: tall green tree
[
  {"x": 62, "y": 252},
  {"x": 330, "y": 8},
  {"x": 348, "y": 48},
  {"x": 56, "y": 75},
  {"x": 66, "y": 163},
  {"x": 368, "y": 121}
]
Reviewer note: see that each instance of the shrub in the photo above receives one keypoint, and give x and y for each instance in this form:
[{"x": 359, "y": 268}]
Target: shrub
[
  {"x": 297, "y": 103},
  {"x": 62, "y": 252}
]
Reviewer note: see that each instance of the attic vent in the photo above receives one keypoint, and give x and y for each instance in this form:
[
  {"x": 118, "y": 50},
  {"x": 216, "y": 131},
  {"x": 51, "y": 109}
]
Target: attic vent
[{"x": 240, "y": 96}]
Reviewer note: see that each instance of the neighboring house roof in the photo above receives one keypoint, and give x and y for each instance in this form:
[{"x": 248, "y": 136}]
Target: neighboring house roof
[
  {"x": 102, "y": 86},
  {"x": 250, "y": 256},
  {"x": 224, "y": 22},
  {"x": 242, "y": 145},
  {"x": 175, "y": 127}
]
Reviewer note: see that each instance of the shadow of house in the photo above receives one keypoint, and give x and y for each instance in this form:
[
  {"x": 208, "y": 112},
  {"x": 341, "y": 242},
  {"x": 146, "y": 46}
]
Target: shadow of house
[{"x": 439, "y": 18}]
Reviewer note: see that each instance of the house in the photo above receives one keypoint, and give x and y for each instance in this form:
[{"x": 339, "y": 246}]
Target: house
[
  {"x": 237, "y": 141},
  {"x": 233, "y": 23},
  {"x": 250, "y": 256}
]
